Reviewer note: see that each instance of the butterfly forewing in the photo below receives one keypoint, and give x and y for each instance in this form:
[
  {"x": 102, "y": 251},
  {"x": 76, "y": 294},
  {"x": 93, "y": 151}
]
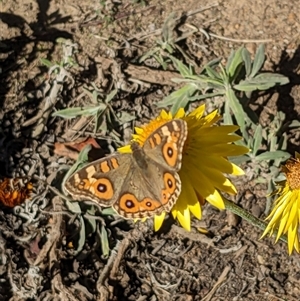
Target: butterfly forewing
[{"x": 165, "y": 144}]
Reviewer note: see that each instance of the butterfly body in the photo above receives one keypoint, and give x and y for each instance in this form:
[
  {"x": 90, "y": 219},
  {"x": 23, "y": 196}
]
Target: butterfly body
[{"x": 138, "y": 184}]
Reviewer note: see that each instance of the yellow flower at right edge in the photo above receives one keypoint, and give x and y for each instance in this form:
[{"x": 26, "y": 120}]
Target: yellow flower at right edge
[{"x": 285, "y": 217}]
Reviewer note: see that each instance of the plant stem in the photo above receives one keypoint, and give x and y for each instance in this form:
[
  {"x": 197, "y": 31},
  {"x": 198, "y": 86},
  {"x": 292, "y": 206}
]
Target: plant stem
[{"x": 234, "y": 208}]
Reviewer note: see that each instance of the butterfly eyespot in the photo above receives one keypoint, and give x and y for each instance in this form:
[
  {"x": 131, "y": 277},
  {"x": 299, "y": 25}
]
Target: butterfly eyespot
[
  {"x": 148, "y": 204},
  {"x": 129, "y": 204},
  {"x": 170, "y": 183},
  {"x": 102, "y": 188},
  {"x": 170, "y": 152}
]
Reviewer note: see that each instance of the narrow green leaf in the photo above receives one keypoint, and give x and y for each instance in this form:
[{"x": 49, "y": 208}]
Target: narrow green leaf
[
  {"x": 81, "y": 160},
  {"x": 177, "y": 96},
  {"x": 270, "y": 77},
  {"x": 104, "y": 242},
  {"x": 100, "y": 120},
  {"x": 92, "y": 221},
  {"x": 257, "y": 139},
  {"x": 258, "y": 60},
  {"x": 272, "y": 143},
  {"x": 250, "y": 144},
  {"x": 168, "y": 27},
  {"x": 273, "y": 155},
  {"x": 46, "y": 62},
  {"x": 213, "y": 64},
  {"x": 234, "y": 62},
  {"x": 74, "y": 112},
  {"x": 182, "y": 68},
  {"x": 212, "y": 73},
  {"x": 237, "y": 109},
  {"x": 262, "y": 81},
  {"x": 81, "y": 241},
  {"x": 249, "y": 87},
  {"x": 247, "y": 61},
  {"x": 227, "y": 114},
  {"x": 239, "y": 159},
  {"x": 177, "y": 105},
  {"x": 161, "y": 61},
  {"x": 73, "y": 207},
  {"x": 230, "y": 59},
  {"x": 111, "y": 95},
  {"x": 108, "y": 211},
  {"x": 148, "y": 54},
  {"x": 102, "y": 123}
]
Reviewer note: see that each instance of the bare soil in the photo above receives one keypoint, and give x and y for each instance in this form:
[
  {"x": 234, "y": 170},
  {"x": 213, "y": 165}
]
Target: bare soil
[{"x": 37, "y": 260}]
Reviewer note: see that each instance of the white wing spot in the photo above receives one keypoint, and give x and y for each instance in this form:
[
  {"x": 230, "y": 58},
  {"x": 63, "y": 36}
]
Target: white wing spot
[{"x": 91, "y": 170}]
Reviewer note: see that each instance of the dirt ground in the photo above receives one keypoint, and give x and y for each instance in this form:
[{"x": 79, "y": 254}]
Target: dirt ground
[{"x": 38, "y": 260}]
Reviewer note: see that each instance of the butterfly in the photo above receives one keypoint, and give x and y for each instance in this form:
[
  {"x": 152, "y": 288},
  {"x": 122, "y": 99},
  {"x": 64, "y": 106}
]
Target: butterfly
[{"x": 139, "y": 184}]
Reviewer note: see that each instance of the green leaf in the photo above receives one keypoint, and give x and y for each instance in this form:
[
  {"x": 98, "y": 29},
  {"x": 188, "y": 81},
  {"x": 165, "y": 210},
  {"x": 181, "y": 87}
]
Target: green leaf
[
  {"x": 108, "y": 211},
  {"x": 46, "y": 62},
  {"x": 81, "y": 241},
  {"x": 257, "y": 139},
  {"x": 237, "y": 109},
  {"x": 92, "y": 221},
  {"x": 212, "y": 73},
  {"x": 101, "y": 121},
  {"x": 182, "y": 68},
  {"x": 258, "y": 60},
  {"x": 178, "y": 96},
  {"x": 227, "y": 114},
  {"x": 273, "y": 155},
  {"x": 234, "y": 62},
  {"x": 73, "y": 207},
  {"x": 82, "y": 159},
  {"x": 148, "y": 54},
  {"x": 239, "y": 159},
  {"x": 247, "y": 61},
  {"x": 250, "y": 144},
  {"x": 79, "y": 111},
  {"x": 262, "y": 81},
  {"x": 161, "y": 61},
  {"x": 111, "y": 95},
  {"x": 104, "y": 242},
  {"x": 213, "y": 64},
  {"x": 177, "y": 105},
  {"x": 270, "y": 77}
]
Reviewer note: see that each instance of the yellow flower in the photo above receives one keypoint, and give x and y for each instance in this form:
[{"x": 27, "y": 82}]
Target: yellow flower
[
  {"x": 203, "y": 164},
  {"x": 285, "y": 217}
]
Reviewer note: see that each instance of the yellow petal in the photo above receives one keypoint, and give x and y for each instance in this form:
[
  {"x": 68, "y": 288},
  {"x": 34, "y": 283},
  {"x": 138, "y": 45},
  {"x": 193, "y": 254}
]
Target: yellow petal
[
  {"x": 216, "y": 200},
  {"x": 237, "y": 171},
  {"x": 189, "y": 197},
  {"x": 292, "y": 234},
  {"x": 158, "y": 220},
  {"x": 198, "y": 112},
  {"x": 180, "y": 113},
  {"x": 184, "y": 218}
]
